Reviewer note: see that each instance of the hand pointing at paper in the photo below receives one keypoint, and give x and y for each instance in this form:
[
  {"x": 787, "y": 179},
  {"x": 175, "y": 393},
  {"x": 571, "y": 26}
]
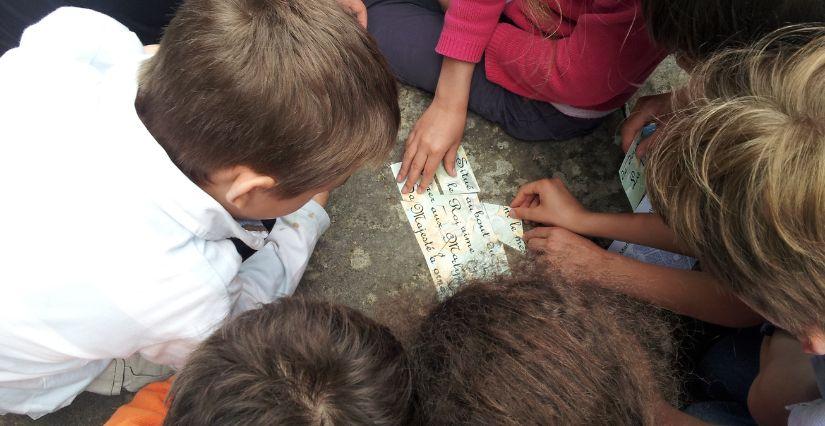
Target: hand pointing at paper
[
  {"x": 437, "y": 134},
  {"x": 549, "y": 202}
]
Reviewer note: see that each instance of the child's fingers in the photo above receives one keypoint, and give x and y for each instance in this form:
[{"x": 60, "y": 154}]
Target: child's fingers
[
  {"x": 526, "y": 202},
  {"x": 541, "y": 232},
  {"x": 526, "y": 213},
  {"x": 645, "y": 145},
  {"x": 632, "y": 128},
  {"x": 521, "y": 202},
  {"x": 361, "y": 16},
  {"x": 415, "y": 171},
  {"x": 449, "y": 160},
  {"x": 526, "y": 190},
  {"x": 409, "y": 154},
  {"x": 429, "y": 171}
]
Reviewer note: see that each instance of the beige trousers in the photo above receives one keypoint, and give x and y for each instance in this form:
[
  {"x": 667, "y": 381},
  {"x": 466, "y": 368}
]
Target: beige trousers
[{"x": 128, "y": 374}]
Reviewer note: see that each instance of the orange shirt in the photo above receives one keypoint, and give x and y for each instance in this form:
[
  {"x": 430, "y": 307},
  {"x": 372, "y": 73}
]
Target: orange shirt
[{"x": 148, "y": 408}]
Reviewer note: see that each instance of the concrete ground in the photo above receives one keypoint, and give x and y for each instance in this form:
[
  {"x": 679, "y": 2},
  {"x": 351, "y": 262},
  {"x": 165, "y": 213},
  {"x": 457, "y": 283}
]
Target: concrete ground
[{"x": 369, "y": 258}]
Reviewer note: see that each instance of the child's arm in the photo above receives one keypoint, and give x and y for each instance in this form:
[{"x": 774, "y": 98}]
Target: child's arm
[
  {"x": 605, "y": 56},
  {"x": 548, "y": 202},
  {"x": 646, "y": 229},
  {"x": 468, "y": 26},
  {"x": 275, "y": 270},
  {"x": 691, "y": 293},
  {"x": 437, "y": 134}
]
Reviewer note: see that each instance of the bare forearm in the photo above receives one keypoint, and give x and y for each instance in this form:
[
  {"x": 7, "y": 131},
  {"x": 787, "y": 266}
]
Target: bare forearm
[
  {"x": 454, "y": 83},
  {"x": 692, "y": 293},
  {"x": 638, "y": 228}
]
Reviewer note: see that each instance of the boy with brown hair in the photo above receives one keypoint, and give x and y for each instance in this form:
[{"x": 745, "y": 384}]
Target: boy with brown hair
[
  {"x": 737, "y": 180},
  {"x": 537, "y": 350},
  {"x": 250, "y": 109},
  {"x": 293, "y": 362}
]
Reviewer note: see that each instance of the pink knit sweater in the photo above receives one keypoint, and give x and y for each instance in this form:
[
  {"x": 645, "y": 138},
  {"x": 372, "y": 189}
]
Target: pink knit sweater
[{"x": 591, "y": 55}]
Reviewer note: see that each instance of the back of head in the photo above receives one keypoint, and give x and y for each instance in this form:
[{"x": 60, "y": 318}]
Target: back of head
[
  {"x": 740, "y": 174},
  {"x": 533, "y": 351},
  {"x": 700, "y": 28},
  {"x": 295, "y": 362},
  {"x": 292, "y": 89}
]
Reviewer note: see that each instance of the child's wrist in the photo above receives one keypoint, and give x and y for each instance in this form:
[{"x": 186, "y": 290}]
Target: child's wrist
[
  {"x": 589, "y": 223},
  {"x": 450, "y": 102}
]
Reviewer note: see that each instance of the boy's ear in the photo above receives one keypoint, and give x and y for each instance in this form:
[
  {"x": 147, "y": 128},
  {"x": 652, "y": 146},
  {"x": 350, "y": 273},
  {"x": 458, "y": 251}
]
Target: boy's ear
[{"x": 245, "y": 184}]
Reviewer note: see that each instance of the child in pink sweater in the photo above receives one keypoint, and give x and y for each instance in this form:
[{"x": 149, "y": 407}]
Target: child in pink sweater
[{"x": 550, "y": 70}]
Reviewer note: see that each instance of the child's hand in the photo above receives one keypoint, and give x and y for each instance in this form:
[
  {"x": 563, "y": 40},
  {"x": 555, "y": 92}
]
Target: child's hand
[
  {"x": 321, "y": 198},
  {"x": 576, "y": 258},
  {"x": 548, "y": 202},
  {"x": 436, "y": 136},
  {"x": 355, "y": 8},
  {"x": 648, "y": 109}
]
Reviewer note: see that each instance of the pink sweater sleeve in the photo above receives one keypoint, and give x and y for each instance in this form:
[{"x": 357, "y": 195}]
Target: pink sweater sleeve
[
  {"x": 468, "y": 26},
  {"x": 599, "y": 66}
]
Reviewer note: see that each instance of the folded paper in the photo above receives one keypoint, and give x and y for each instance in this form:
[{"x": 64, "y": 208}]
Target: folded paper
[{"x": 509, "y": 231}]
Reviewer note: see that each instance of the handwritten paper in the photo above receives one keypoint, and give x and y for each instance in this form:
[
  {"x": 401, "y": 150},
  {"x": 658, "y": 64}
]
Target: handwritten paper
[
  {"x": 396, "y": 167},
  {"x": 648, "y": 254},
  {"x": 464, "y": 182},
  {"x": 456, "y": 232},
  {"x": 456, "y": 237},
  {"x": 509, "y": 231},
  {"x": 632, "y": 170}
]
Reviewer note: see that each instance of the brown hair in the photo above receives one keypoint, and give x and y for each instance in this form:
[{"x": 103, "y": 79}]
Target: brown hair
[
  {"x": 532, "y": 350},
  {"x": 292, "y": 89},
  {"x": 698, "y": 29},
  {"x": 739, "y": 175},
  {"x": 295, "y": 362}
]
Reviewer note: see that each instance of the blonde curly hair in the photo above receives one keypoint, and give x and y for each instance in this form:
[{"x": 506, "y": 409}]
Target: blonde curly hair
[{"x": 739, "y": 174}]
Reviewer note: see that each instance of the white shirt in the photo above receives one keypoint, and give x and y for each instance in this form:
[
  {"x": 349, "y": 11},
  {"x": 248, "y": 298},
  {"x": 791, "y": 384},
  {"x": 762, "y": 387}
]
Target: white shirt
[
  {"x": 807, "y": 413},
  {"x": 107, "y": 248},
  {"x": 811, "y": 413}
]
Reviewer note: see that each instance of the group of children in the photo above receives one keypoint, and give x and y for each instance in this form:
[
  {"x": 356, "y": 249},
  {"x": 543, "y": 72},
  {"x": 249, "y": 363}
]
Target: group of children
[{"x": 134, "y": 175}]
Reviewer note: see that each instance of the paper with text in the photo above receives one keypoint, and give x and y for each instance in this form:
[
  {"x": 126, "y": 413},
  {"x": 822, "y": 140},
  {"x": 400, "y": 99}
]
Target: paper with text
[
  {"x": 632, "y": 176},
  {"x": 509, "y": 231},
  {"x": 454, "y": 230},
  {"x": 464, "y": 181},
  {"x": 632, "y": 170},
  {"x": 396, "y": 167},
  {"x": 456, "y": 237}
]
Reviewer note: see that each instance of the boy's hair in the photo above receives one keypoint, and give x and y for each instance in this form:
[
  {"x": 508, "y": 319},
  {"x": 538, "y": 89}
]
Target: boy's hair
[
  {"x": 534, "y": 351},
  {"x": 700, "y": 28},
  {"x": 740, "y": 174},
  {"x": 295, "y": 362},
  {"x": 292, "y": 89}
]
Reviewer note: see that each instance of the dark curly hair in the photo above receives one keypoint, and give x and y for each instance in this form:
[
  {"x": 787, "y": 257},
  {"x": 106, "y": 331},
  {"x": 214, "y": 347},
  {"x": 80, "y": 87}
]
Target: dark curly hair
[{"x": 535, "y": 351}]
